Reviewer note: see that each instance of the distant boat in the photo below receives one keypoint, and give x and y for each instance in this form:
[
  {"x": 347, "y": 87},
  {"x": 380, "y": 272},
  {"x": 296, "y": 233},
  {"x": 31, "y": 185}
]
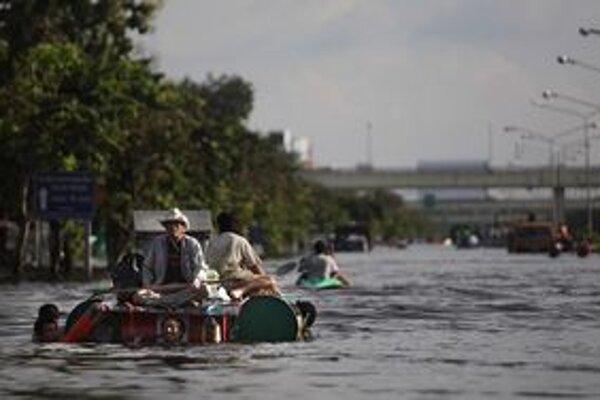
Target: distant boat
[
  {"x": 470, "y": 241},
  {"x": 401, "y": 243},
  {"x": 352, "y": 237},
  {"x": 532, "y": 237}
]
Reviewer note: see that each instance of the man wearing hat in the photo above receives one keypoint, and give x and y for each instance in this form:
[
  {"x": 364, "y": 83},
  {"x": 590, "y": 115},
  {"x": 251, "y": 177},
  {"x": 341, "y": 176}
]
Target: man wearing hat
[{"x": 174, "y": 261}]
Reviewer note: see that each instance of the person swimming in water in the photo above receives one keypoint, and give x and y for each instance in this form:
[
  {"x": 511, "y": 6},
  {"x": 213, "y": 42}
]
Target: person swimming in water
[{"x": 46, "y": 326}]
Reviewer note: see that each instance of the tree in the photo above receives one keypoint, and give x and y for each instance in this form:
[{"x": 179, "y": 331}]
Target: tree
[
  {"x": 62, "y": 66},
  {"x": 64, "y": 111},
  {"x": 100, "y": 28}
]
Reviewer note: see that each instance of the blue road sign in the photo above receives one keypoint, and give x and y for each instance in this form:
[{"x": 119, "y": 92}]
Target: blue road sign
[{"x": 64, "y": 195}]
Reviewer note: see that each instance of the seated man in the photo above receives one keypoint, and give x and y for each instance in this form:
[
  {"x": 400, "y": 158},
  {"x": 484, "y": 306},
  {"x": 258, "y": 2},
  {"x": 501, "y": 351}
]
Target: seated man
[
  {"x": 321, "y": 265},
  {"x": 565, "y": 239},
  {"x": 174, "y": 268},
  {"x": 236, "y": 261}
]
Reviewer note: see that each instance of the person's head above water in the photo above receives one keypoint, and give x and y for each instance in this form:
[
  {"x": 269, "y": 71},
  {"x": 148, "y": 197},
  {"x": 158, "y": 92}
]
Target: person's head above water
[
  {"x": 46, "y": 331},
  {"x": 173, "y": 330},
  {"x": 45, "y": 328},
  {"x": 48, "y": 312}
]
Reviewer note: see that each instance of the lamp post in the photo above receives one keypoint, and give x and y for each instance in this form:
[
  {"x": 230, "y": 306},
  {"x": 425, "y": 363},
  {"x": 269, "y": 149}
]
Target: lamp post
[
  {"x": 554, "y": 159},
  {"x": 554, "y": 163},
  {"x": 566, "y": 60},
  {"x": 369, "y": 148},
  {"x": 550, "y": 94}
]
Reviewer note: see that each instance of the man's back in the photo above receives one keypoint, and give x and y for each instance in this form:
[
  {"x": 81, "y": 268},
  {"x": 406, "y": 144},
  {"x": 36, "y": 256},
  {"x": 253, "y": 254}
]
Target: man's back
[
  {"x": 316, "y": 266},
  {"x": 230, "y": 252}
]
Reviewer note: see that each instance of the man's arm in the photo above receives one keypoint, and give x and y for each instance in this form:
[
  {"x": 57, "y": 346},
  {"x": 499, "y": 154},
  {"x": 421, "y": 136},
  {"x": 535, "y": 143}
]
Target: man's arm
[
  {"x": 302, "y": 264},
  {"x": 199, "y": 265},
  {"x": 250, "y": 259},
  {"x": 335, "y": 268}
]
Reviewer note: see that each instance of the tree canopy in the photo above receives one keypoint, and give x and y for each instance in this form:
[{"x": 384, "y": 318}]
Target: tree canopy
[{"x": 74, "y": 96}]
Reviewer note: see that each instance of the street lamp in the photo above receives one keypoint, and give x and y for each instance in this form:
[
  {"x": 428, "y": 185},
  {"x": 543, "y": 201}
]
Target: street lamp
[
  {"x": 532, "y": 134},
  {"x": 555, "y": 136},
  {"x": 566, "y": 60},
  {"x": 550, "y": 94},
  {"x": 369, "y": 145},
  {"x": 554, "y": 158},
  {"x": 589, "y": 31}
]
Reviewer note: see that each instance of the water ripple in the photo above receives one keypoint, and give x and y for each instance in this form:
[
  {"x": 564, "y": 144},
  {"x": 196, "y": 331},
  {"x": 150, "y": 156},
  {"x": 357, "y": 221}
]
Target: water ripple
[{"x": 425, "y": 323}]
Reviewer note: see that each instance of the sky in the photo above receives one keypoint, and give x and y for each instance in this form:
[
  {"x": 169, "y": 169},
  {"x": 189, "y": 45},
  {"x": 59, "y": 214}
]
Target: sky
[{"x": 393, "y": 83}]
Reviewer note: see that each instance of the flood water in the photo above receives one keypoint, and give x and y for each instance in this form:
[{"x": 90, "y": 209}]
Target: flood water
[{"x": 426, "y": 322}]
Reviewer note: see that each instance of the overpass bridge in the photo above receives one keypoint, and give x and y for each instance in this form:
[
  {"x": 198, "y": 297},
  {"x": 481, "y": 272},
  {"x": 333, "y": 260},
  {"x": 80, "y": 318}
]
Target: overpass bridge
[
  {"x": 479, "y": 212},
  {"x": 529, "y": 178},
  {"x": 493, "y": 211}
]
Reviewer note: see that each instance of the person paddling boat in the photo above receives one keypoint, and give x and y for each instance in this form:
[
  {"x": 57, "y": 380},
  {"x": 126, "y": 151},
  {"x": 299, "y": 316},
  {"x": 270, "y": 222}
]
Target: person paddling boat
[{"x": 320, "y": 266}]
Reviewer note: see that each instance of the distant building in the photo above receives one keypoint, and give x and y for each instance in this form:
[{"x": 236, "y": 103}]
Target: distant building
[
  {"x": 302, "y": 146},
  {"x": 452, "y": 194},
  {"x": 283, "y": 138},
  {"x": 298, "y": 145}
]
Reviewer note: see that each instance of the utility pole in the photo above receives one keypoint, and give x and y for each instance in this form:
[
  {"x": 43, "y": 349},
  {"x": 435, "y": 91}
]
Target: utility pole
[{"x": 369, "y": 145}]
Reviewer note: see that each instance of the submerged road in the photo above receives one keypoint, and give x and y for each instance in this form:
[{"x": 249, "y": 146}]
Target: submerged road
[{"x": 428, "y": 322}]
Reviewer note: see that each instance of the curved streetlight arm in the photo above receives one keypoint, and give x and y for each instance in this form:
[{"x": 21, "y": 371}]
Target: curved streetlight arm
[
  {"x": 564, "y": 110},
  {"x": 575, "y": 129},
  {"x": 551, "y": 94},
  {"x": 540, "y": 137},
  {"x": 588, "y": 31},
  {"x": 523, "y": 131},
  {"x": 566, "y": 60},
  {"x": 529, "y": 134},
  {"x": 580, "y": 142}
]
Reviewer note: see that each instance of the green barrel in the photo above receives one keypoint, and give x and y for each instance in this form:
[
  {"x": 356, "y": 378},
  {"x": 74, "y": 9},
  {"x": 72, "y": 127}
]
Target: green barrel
[{"x": 266, "y": 319}]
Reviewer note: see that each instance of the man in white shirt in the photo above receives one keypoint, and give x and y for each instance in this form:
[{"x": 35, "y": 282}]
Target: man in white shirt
[{"x": 238, "y": 265}]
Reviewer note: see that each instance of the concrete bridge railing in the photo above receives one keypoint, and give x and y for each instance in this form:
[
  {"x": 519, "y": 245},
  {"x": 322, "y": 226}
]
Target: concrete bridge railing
[{"x": 533, "y": 178}]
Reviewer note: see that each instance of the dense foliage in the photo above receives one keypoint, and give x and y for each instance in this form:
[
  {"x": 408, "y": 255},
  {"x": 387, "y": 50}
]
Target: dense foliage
[{"x": 73, "y": 96}]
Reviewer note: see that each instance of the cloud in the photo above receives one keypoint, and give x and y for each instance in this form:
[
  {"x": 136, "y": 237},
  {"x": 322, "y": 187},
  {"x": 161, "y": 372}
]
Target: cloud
[{"x": 431, "y": 76}]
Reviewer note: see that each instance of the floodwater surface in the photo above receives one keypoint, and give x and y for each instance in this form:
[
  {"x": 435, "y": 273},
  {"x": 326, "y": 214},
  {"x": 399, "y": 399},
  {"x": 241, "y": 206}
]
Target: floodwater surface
[{"x": 426, "y": 322}]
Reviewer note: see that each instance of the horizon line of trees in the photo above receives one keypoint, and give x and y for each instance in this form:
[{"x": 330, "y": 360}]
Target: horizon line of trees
[{"x": 74, "y": 96}]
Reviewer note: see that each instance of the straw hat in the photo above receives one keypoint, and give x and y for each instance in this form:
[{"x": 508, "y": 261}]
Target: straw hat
[{"x": 175, "y": 215}]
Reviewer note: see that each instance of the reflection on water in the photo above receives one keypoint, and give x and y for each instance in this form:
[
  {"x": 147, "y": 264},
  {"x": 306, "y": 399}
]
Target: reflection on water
[{"x": 421, "y": 323}]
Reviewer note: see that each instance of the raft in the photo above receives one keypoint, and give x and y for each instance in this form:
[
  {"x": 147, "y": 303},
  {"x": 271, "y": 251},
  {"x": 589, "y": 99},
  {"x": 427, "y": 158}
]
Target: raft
[
  {"x": 104, "y": 319},
  {"x": 319, "y": 283},
  {"x": 262, "y": 318}
]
